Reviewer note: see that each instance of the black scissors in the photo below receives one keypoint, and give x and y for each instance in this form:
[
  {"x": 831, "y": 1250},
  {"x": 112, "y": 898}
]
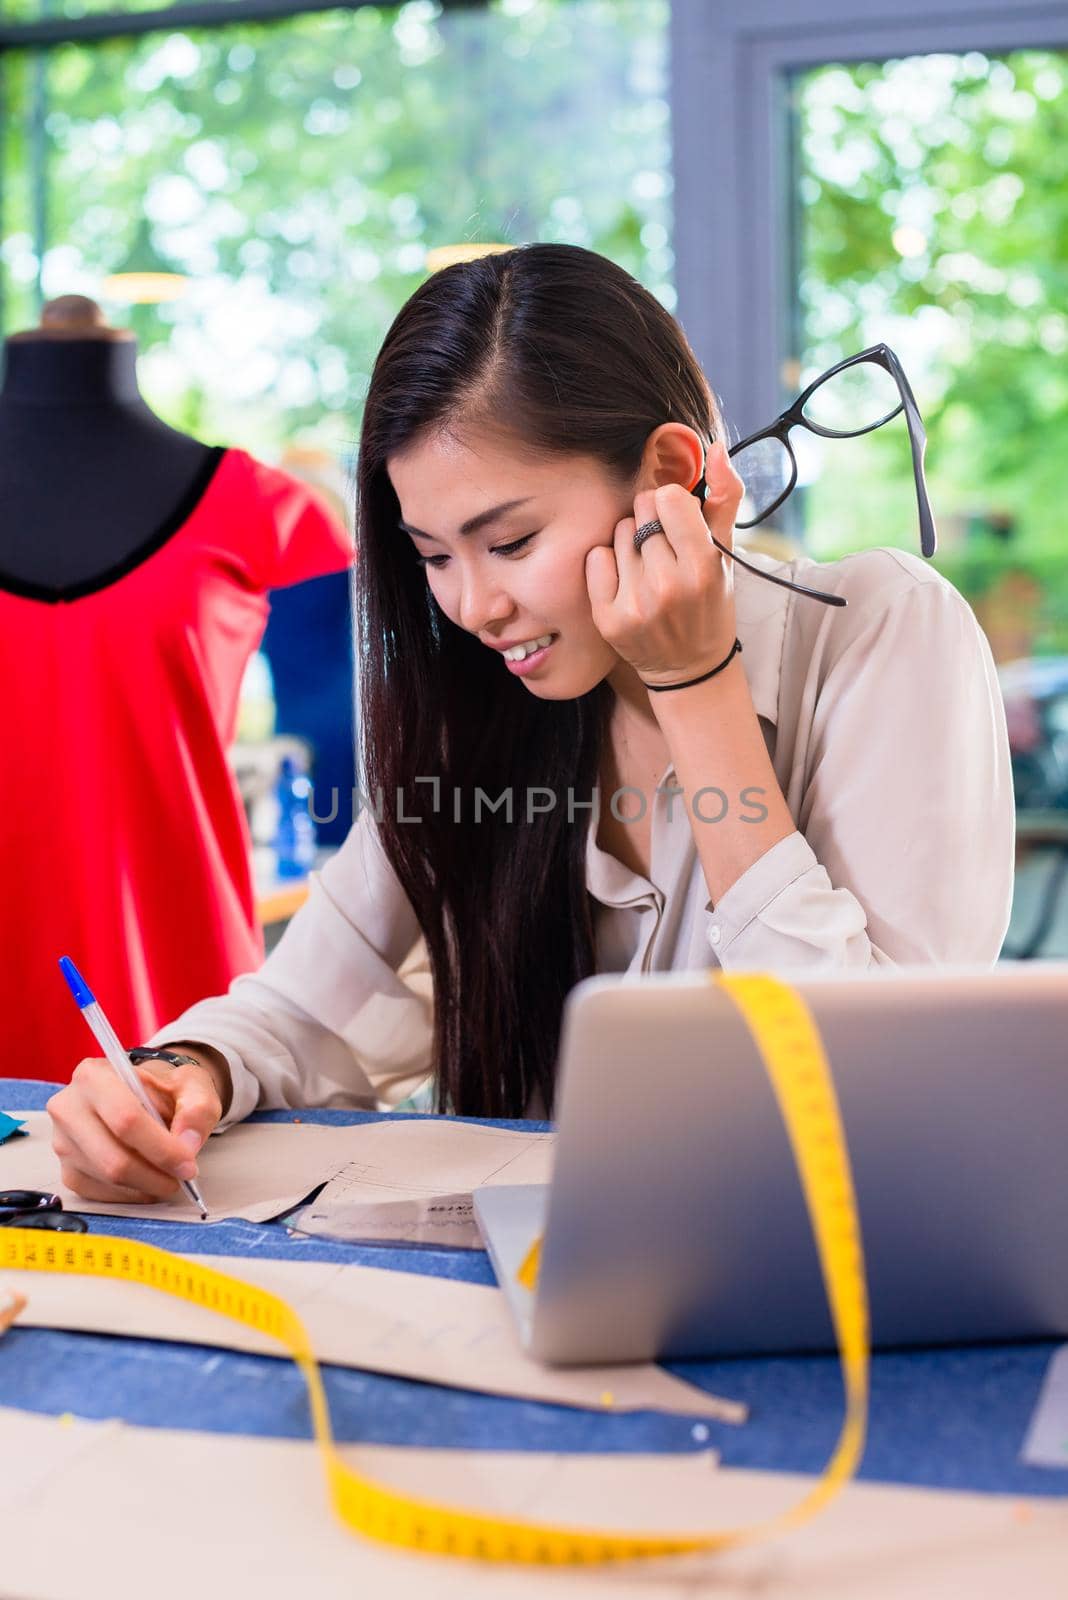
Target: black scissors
[{"x": 32, "y": 1208}]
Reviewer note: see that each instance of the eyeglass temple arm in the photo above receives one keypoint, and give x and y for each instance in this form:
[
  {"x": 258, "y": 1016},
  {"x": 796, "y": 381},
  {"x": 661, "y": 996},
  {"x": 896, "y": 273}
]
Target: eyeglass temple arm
[
  {"x": 698, "y": 491},
  {"x": 917, "y": 443},
  {"x": 784, "y": 583}
]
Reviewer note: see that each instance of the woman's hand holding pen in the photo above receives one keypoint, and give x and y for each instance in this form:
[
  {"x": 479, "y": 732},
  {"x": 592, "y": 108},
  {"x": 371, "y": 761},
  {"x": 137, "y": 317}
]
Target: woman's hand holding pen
[
  {"x": 668, "y": 608},
  {"x": 111, "y": 1149}
]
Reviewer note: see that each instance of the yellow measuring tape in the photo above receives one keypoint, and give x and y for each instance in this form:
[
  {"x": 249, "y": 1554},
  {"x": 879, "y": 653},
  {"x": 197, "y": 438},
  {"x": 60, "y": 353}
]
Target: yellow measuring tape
[{"x": 794, "y": 1058}]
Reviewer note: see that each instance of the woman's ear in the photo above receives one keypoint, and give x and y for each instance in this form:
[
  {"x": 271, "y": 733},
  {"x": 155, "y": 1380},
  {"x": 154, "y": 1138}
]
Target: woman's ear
[{"x": 673, "y": 453}]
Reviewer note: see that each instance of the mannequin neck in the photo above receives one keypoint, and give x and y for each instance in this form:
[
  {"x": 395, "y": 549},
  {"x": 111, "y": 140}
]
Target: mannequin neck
[{"x": 70, "y": 372}]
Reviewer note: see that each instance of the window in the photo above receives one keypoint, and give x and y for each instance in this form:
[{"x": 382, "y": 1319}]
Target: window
[{"x": 295, "y": 174}]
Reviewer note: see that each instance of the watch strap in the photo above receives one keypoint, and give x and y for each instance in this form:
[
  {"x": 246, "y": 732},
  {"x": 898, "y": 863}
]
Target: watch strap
[{"x": 173, "y": 1058}]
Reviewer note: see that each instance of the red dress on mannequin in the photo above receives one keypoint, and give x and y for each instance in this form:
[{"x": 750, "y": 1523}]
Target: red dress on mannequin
[{"x": 125, "y": 844}]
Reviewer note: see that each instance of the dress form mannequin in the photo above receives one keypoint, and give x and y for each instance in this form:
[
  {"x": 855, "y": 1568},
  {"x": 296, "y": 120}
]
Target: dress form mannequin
[
  {"x": 135, "y": 569},
  {"x": 90, "y": 477}
]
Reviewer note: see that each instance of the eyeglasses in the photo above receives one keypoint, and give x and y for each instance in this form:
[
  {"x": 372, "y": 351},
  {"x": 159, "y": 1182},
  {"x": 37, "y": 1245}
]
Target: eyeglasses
[
  {"x": 855, "y": 396},
  {"x": 33, "y": 1208}
]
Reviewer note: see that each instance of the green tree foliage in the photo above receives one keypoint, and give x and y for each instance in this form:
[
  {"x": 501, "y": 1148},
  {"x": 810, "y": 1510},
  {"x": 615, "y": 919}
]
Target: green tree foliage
[{"x": 934, "y": 215}]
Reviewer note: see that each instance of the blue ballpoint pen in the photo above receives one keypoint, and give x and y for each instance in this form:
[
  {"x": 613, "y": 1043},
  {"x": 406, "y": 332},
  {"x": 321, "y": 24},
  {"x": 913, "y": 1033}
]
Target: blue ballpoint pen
[{"x": 108, "y": 1040}]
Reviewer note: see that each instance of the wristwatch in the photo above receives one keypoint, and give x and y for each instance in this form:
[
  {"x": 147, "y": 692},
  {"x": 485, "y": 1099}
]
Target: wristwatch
[{"x": 172, "y": 1057}]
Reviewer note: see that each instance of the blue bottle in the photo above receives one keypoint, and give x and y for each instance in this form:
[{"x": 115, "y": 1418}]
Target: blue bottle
[{"x": 294, "y": 841}]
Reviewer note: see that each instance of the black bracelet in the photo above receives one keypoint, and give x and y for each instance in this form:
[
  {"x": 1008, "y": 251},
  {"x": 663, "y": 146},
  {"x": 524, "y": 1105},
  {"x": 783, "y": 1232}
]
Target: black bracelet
[{"x": 661, "y": 688}]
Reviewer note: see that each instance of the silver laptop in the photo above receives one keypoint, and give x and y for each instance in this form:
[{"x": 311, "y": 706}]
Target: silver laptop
[{"x": 675, "y": 1223}]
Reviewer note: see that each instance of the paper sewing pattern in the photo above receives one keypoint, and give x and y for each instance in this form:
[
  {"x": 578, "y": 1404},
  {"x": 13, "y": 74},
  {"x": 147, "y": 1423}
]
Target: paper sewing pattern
[
  {"x": 409, "y": 1324},
  {"x": 412, "y": 1182},
  {"x": 260, "y": 1170},
  {"x": 256, "y": 1170},
  {"x": 1046, "y": 1444},
  {"x": 118, "y": 1486}
]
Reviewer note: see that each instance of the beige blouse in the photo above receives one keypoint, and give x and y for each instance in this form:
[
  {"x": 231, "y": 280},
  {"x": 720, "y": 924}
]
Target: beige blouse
[{"x": 885, "y": 726}]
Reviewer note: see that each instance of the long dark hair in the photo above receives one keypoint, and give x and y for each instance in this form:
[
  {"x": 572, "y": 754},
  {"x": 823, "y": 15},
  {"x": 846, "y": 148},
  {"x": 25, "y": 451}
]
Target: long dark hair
[{"x": 569, "y": 355}]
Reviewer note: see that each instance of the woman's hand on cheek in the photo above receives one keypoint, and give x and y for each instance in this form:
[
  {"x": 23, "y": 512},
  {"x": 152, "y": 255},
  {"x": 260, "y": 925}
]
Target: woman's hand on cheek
[{"x": 668, "y": 608}]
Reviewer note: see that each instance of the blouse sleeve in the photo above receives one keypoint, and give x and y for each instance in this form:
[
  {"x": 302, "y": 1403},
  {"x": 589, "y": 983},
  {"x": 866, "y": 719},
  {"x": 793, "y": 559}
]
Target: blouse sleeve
[
  {"x": 341, "y": 1011},
  {"x": 904, "y": 848},
  {"x": 300, "y": 535}
]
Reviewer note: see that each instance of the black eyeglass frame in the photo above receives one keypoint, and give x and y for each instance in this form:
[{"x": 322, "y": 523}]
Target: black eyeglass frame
[{"x": 881, "y": 355}]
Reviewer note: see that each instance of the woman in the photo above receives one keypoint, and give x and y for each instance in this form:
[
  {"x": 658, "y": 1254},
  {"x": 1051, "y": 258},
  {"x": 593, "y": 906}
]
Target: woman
[{"x": 543, "y": 614}]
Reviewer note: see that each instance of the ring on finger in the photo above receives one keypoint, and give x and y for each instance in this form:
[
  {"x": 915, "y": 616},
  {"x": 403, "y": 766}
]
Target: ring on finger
[{"x": 646, "y": 531}]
